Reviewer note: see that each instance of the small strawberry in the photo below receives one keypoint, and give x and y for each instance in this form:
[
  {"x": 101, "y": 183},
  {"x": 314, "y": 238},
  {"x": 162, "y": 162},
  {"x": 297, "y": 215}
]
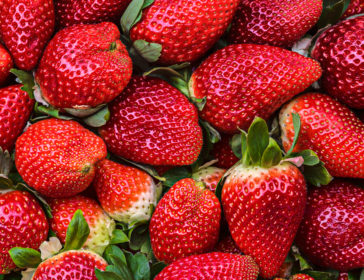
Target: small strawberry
[
  {"x": 355, "y": 7},
  {"x": 340, "y": 52},
  {"x": 84, "y": 66},
  {"x": 210, "y": 176},
  {"x": 25, "y": 27},
  {"x": 223, "y": 153},
  {"x": 329, "y": 129},
  {"x": 57, "y": 157},
  {"x": 185, "y": 222},
  {"x": 6, "y": 63},
  {"x": 124, "y": 192},
  {"x": 277, "y": 23},
  {"x": 227, "y": 245},
  {"x": 343, "y": 276},
  {"x": 153, "y": 123},
  {"x": 244, "y": 81},
  {"x": 301, "y": 277},
  {"x": 217, "y": 266},
  {"x": 332, "y": 230},
  {"x": 15, "y": 110}
]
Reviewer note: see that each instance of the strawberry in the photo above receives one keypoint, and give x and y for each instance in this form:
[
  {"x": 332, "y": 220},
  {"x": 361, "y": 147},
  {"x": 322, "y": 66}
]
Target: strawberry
[
  {"x": 23, "y": 224},
  {"x": 340, "y": 52},
  {"x": 84, "y": 66},
  {"x": 223, "y": 153},
  {"x": 301, "y": 277},
  {"x": 210, "y": 176},
  {"x": 186, "y": 30},
  {"x": 153, "y": 123},
  {"x": 328, "y": 128},
  {"x": 70, "y": 12},
  {"x": 244, "y": 81},
  {"x": 15, "y": 110},
  {"x": 26, "y": 27},
  {"x": 125, "y": 193},
  {"x": 185, "y": 222},
  {"x": 331, "y": 233},
  {"x": 217, "y": 266},
  {"x": 227, "y": 245},
  {"x": 276, "y": 23},
  {"x": 6, "y": 63},
  {"x": 343, "y": 276},
  {"x": 355, "y": 7},
  {"x": 101, "y": 225},
  {"x": 57, "y": 157}
]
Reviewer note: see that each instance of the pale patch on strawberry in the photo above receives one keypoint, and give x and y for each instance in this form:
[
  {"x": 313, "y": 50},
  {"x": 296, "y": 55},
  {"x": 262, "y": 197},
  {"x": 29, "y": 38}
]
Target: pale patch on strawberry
[
  {"x": 284, "y": 114},
  {"x": 38, "y": 95},
  {"x": 100, "y": 234},
  {"x": 27, "y": 274},
  {"x": 303, "y": 46},
  {"x": 50, "y": 248}
]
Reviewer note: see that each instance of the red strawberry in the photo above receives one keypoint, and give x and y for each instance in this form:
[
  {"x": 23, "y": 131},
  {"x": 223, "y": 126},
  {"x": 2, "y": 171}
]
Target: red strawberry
[
  {"x": 355, "y": 7},
  {"x": 101, "y": 225},
  {"x": 125, "y": 193},
  {"x": 23, "y": 224},
  {"x": 301, "y": 277},
  {"x": 186, "y": 30},
  {"x": 223, "y": 153},
  {"x": 186, "y": 222},
  {"x": 153, "y": 123},
  {"x": 331, "y": 233},
  {"x": 343, "y": 276},
  {"x": 210, "y": 176},
  {"x": 72, "y": 12},
  {"x": 217, "y": 266},
  {"x": 57, "y": 157},
  {"x": 329, "y": 129},
  {"x": 6, "y": 63},
  {"x": 340, "y": 52},
  {"x": 244, "y": 81},
  {"x": 75, "y": 265},
  {"x": 84, "y": 66},
  {"x": 277, "y": 23},
  {"x": 26, "y": 26},
  {"x": 227, "y": 245},
  {"x": 15, "y": 110}
]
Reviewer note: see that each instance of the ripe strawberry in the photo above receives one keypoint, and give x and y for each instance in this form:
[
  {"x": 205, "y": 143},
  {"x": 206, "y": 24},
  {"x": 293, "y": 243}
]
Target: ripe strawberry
[
  {"x": 125, "y": 193},
  {"x": 6, "y": 63},
  {"x": 101, "y": 225},
  {"x": 329, "y": 129},
  {"x": 15, "y": 110},
  {"x": 25, "y": 27},
  {"x": 210, "y": 176},
  {"x": 71, "y": 12},
  {"x": 340, "y": 52},
  {"x": 186, "y": 30},
  {"x": 153, "y": 123},
  {"x": 84, "y": 66},
  {"x": 223, "y": 153},
  {"x": 23, "y": 224},
  {"x": 277, "y": 23},
  {"x": 355, "y": 7},
  {"x": 186, "y": 222},
  {"x": 217, "y": 266},
  {"x": 244, "y": 81},
  {"x": 343, "y": 276},
  {"x": 331, "y": 233},
  {"x": 227, "y": 245},
  {"x": 301, "y": 277},
  {"x": 76, "y": 265},
  {"x": 57, "y": 157}
]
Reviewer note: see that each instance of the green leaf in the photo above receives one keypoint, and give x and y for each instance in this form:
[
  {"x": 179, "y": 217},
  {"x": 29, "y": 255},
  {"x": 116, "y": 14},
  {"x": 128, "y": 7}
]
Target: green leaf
[
  {"x": 149, "y": 51},
  {"x": 156, "y": 268},
  {"x": 272, "y": 154},
  {"x": 6, "y": 162},
  {"x": 132, "y": 12},
  {"x": 362, "y": 274},
  {"x": 147, "y": 3},
  {"x": 50, "y": 111},
  {"x": 99, "y": 119},
  {"x": 235, "y": 144},
  {"x": 107, "y": 275},
  {"x": 303, "y": 263},
  {"x": 212, "y": 134},
  {"x": 115, "y": 251},
  {"x": 138, "y": 237},
  {"x": 175, "y": 174},
  {"x": 26, "y": 79},
  {"x": 309, "y": 156},
  {"x": 138, "y": 265},
  {"x": 317, "y": 175},
  {"x": 332, "y": 11},
  {"x": 25, "y": 257},
  {"x": 77, "y": 232},
  {"x": 322, "y": 275},
  {"x": 257, "y": 140},
  {"x": 245, "y": 159},
  {"x": 118, "y": 236},
  {"x": 167, "y": 70},
  {"x": 297, "y": 129}
]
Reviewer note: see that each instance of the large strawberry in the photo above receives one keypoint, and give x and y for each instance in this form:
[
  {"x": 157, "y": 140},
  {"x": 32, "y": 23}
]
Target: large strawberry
[
  {"x": 328, "y": 128},
  {"x": 217, "y": 266},
  {"x": 355, "y": 7},
  {"x": 332, "y": 232},
  {"x": 152, "y": 122},
  {"x": 6, "y": 63},
  {"x": 210, "y": 176},
  {"x": 58, "y": 157},
  {"x": 127, "y": 194},
  {"x": 223, "y": 153},
  {"x": 84, "y": 66},
  {"x": 244, "y": 81},
  {"x": 186, "y": 221},
  {"x": 340, "y": 52},
  {"x": 26, "y": 27},
  {"x": 15, "y": 110},
  {"x": 277, "y": 22}
]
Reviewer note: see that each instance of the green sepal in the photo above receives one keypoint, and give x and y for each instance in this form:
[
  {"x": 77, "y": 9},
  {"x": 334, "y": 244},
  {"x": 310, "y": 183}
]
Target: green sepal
[
  {"x": 77, "y": 232},
  {"x": 317, "y": 175},
  {"x": 26, "y": 79},
  {"x": 118, "y": 237},
  {"x": 6, "y": 163},
  {"x": 362, "y": 274},
  {"x": 25, "y": 257},
  {"x": 107, "y": 275},
  {"x": 310, "y": 157},
  {"x": 131, "y": 15},
  {"x": 98, "y": 119},
  {"x": 175, "y": 174},
  {"x": 14, "y": 275},
  {"x": 297, "y": 129},
  {"x": 50, "y": 111},
  {"x": 156, "y": 268},
  {"x": 138, "y": 265},
  {"x": 167, "y": 71},
  {"x": 149, "y": 51},
  {"x": 235, "y": 144},
  {"x": 257, "y": 140},
  {"x": 322, "y": 275},
  {"x": 272, "y": 154},
  {"x": 332, "y": 11},
  {"x": 212, "y": 134}
]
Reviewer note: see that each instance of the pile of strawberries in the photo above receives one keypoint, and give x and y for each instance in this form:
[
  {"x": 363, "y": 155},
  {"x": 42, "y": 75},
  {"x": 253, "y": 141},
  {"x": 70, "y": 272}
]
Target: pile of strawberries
[{"x": 182, "y": 139}]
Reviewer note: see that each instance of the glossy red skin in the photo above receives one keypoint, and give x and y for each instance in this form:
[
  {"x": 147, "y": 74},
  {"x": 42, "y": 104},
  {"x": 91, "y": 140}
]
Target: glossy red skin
[
  {"x": 185, "y": 29},
  {"x": 340, "y": 52},
  {"x": 276, "y": 23},
  {"x": 57, "y": 157},
  {"x": 301, "y": 277},
  {"x": 72, "y": 12},
  {"x": 75, "y": 265},
  {"x": 79, "y": 70},
  {"x": 355, "y": 7},
  {"x": 217, "y": 266},
  {"x": 210, "y": 176},
  {"x": 23, "y": 224},
  {"x": 15, "y": 110},
  {"x": 185, "y": 222},
  {"x": 6, "y": 63},
  {"x": 227, "y": 245},
  {"x": 264, "y": 208},
  {"x": 329, "y": 129},
  {"x": 223, "y": 153},
  {"x": 243, "y": 81},
  {"x": 332, "y": 231},
  {"x": 26, "y": 27},
  {"x": 153, "y": 123}
]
